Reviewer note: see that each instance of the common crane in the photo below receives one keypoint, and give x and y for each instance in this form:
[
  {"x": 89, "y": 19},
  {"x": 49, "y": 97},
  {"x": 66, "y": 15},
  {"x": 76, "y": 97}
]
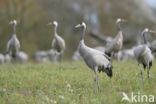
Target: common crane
[
  {"x": 58, "y": 42},
  {"x": 96, "y": 60},
  {"x": 143, "y": 54},
  {"x": 117, "y": 43},
  {"x": 13, "y": 45}
]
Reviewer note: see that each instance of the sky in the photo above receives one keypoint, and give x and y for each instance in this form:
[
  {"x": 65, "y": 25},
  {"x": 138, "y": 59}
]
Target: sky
[{"x": 152, "y": 3}]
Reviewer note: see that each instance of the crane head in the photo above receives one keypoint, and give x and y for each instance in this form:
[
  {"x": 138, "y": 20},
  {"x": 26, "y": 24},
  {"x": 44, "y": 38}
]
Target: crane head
[
  {"x": 83, "y": 24},
  {"x": 146, "y": 30},
  {"x": 120, "y": 20},
  {"x": 55, "y": 23},
  {"x": 14, "y": 22},
  {"x": 108, "y": 70}
]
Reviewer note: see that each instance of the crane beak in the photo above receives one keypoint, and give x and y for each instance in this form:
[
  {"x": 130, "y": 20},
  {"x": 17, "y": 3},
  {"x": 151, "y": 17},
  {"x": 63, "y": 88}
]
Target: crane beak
[
  {"x": 77, "y": 26},
  {"x": 151, "y": 31},
  {"x": 49, "y": 24},
  {"x": 123, "y": 20},
  {"x": 11, "y": 22}
]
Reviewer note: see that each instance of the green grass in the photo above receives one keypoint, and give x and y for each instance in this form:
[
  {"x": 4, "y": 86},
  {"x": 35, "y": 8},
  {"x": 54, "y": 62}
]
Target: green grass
[{"x": 70, "y": 83}]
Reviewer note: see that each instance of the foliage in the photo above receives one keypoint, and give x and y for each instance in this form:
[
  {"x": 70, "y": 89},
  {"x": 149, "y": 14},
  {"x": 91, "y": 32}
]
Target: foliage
[
  {"x": 100, "y": 15},
  {"x": 70, "y": 83}
]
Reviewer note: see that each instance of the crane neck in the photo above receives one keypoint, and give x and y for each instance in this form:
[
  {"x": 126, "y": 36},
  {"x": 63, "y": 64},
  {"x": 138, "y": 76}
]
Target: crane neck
[
  {"x": 83, "y": 34},
  {"x": 14, "y": 36},
  {"x": 119, "y": 26},
  {"x": 120, "y": 35},
  {"x": 55, "y": 31},
  {"x": 144, "y": 38},
  {"x": 14, "y": 29}
]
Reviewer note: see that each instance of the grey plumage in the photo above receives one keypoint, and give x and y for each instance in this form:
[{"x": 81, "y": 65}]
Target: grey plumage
[
  {"x": 96, "y": 60},
  {"x": 143, "y": 53},
  {"x": 8, "y": 58},
  {"x": 13, "y": 45},
  {"x": 46, "y": 56},
  {"x": 2, "y": 59},
  {"x": 117, "y": 43},
  {"x": 58, "y": 42},
  {"x": 53, "y": 55},
  {"x": 41, "y": 56},
  {"x": 153, "y": 46},
  {"x": 125, "y": 54},
  {"x": 22, "y": 57},
  {"x": 76, "y": 55}
]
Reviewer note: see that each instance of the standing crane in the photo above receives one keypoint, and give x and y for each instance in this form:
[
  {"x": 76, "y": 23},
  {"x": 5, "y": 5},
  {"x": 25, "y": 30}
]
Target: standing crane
[
  {"x": 117, "y": 43},
  {"x": 58, "y": 42},
  {"x": 13, "y": 45},
  {"x": 96, "y": 60},
  {"x": 143, "y": 54}
]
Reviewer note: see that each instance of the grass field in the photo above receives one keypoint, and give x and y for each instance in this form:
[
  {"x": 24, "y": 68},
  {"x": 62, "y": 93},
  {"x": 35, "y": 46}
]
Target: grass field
[{"x": 71, "y": 83}]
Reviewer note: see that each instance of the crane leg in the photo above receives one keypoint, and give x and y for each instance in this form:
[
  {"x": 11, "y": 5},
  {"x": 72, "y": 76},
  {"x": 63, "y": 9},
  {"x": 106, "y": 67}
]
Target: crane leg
[
  {"x": 148, "y": 74},
  {"x": 141, "y": 73},
  {"x": 60, "y": 61},
  {"x": 96, "y": 79},
  {"x": 60, "y": 58}
]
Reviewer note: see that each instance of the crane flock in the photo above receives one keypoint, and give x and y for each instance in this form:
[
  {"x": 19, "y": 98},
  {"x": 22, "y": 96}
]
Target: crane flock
[{"x": 97, "y": 59}]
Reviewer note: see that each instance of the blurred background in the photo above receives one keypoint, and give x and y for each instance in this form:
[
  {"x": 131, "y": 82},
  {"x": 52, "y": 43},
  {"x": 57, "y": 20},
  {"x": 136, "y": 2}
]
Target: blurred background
[{"x": 100, "y": 16}]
